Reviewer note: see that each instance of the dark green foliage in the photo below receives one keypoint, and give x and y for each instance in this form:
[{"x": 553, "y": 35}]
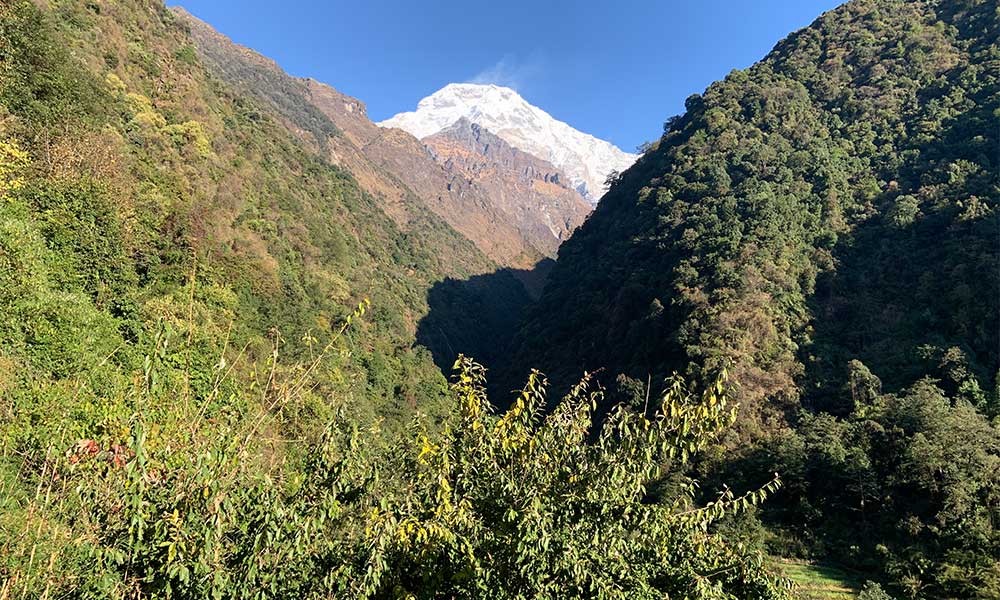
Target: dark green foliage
[
  {"x": 833, "y": 206},
  {"x": 536, "y": 503},
  {"x": 907, "y": 484},
  {"x": 184, "y": 412},
  {"x": 40, "y": 84},
  {"x": 837, "y": 200},
  {"x": 82, "y": 229},
  {"x": 168, "y": 254},
  {"x": 64, "y": 301}
]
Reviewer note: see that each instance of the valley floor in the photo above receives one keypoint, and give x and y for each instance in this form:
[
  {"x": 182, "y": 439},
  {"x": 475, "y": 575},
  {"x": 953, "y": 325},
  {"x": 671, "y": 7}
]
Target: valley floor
[{"x": 818, "y": 581}]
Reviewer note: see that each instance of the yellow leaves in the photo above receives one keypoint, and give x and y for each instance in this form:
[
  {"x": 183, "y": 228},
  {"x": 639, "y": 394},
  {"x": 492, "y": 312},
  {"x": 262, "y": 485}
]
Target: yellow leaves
[
  {"x": 190, "y": 132},
  {"x": 510, "y": 480},
  {"x": 359, "y": 311},
  {"x": 152, "y": 123},
  {"x": 469, "y": 389},
  {"x": 726, "y": 504},
  {"x": 138, "y": 103},
  {"x": 472, "y": 409},
  {"x": 673, "y": 410},
  {"x": 411, "y": 531},
  {"x": 406, "y": 529},
  {"x": 115, "y": 83},
  {"x": 13, "y": 162},
  {"x": 426, "y": 449},
  {"x": 143, "y": 113},
  {"x": 514, "y": 428},
  {"x": 444, "y": 493}
]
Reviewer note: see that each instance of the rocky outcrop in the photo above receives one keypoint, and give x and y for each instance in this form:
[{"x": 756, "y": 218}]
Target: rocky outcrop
[{"x": 532, "y": 193}]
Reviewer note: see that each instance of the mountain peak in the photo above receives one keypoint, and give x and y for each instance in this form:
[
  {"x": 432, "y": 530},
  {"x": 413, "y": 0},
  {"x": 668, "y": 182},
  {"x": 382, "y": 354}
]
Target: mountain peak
[
  {"x": 479, "y": 88},
  {"x": 585, "y": 159}
]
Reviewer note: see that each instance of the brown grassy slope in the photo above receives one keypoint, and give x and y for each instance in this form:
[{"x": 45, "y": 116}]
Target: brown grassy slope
[{"x": 390, "y": 164}]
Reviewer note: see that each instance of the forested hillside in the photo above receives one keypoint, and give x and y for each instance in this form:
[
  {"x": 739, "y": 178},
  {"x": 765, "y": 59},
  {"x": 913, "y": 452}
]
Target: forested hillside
[
  {"x": 825, "y": 225},
  {"x": 844, "y": 182},
  {"x": 208, "y": 379},
  {"x": 149, "y": 194},
  {"x": 776, "y": 340}
]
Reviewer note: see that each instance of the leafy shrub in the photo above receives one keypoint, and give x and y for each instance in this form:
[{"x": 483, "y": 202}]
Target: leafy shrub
[
  {"x": 519, "y": 505},
  {"x": 873, "y": 591}
]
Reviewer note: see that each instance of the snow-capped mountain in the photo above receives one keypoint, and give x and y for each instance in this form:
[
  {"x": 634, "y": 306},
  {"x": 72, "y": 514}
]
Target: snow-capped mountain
[{"x": 586, "y": 160}]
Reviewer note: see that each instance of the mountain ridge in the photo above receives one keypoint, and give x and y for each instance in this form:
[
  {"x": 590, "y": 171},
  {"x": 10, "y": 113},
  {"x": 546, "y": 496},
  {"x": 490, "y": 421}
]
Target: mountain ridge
[
  {"x": 586, "y": 159},
  {"x": 394, "y": 166}
]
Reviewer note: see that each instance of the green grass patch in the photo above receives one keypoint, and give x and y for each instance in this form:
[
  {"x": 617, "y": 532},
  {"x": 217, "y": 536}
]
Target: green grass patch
[{"x": 818, "y": 582}]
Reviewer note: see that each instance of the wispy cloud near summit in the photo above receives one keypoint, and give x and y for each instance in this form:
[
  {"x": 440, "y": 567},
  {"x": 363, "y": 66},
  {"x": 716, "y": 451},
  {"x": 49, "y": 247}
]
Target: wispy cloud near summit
[{"x": 510, "y": 72}]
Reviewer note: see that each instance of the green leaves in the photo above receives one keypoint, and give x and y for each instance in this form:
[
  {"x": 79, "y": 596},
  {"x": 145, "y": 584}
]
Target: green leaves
[
  {"x": 530, "y": 504},
  {"x": 525, "y": 504},
  {"x": 916, "y": 472},
  {"x": 833, "y": 205}
]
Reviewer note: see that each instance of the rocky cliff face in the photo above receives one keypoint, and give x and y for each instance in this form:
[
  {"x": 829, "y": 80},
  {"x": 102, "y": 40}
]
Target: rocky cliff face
[
  {"x": 391, "y": 164},
  {"x": 533, "y": 194},
  {"x": 395, "y": 160}
]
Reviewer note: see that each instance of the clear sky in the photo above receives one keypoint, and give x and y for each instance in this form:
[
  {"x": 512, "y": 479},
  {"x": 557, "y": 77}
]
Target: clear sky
[{"x": 616, "y": 70}]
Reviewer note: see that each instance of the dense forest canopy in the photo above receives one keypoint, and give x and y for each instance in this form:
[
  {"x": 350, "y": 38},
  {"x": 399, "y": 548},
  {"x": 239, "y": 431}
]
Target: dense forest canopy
[
  {"x": 834, "y": 201},
  {"x": 825, "y": 224}
]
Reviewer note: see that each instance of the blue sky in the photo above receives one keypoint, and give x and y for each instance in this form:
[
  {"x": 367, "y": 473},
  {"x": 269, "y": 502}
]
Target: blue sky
[{"x": 616, "y": 70}]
